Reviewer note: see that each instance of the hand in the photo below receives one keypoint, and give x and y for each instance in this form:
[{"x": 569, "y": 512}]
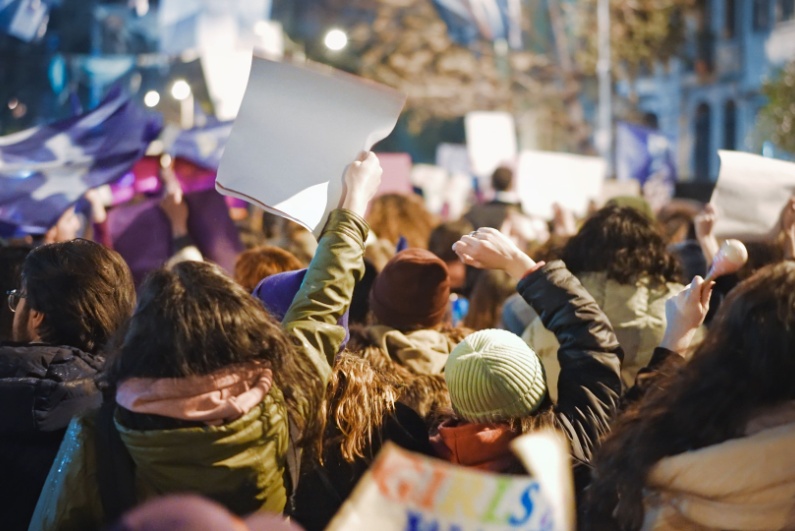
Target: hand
[
  {"x": 563, "y": 222},
  {"x": 360, "y": 182},
  {"x": 98, "y": 212},
  {"x": 705, "y": 225},
  {"x": 684, "y": 313},
  {"x": 787, "y": 228},
  {"x": 176, "y": 209},
  {"x": 488, "y": 248}
]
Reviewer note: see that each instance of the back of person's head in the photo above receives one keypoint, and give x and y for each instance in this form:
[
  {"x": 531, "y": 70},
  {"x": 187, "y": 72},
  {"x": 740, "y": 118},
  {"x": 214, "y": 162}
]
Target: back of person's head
[
  {"x": 83, "y": 290},
  {"x": 394, "y": 215},
  {"x": 623, "y": 243},
  {"x": 489, "y": 293},
  {"x": 11, "y": 260},
  {"x": 677, "y": 220},
  {"x": 258, "y": 263},
  {"x": 193, "y": 320},
  {"x": 743, "y": 367},
  {"x": 412, "y": 292},
  {"x": 444, "y": 235},
  {"x": 493, "y": 376},
  {"x": 502, "y": 179}
]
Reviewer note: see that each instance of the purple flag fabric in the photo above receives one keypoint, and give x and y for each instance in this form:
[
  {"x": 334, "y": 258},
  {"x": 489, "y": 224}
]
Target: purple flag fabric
[
  {"x": 649, "y": 157},
  {"x": 203, "y": 146},
  {"x": 46, "y": 169},
  {"x": 140, "y": 232}
]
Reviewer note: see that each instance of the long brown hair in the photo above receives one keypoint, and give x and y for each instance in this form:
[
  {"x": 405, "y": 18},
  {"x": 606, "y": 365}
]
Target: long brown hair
[
  {"x": 745, "y": 364},
  {"x": 491, "y": 289},
  {"x": 394, "y": 215}
]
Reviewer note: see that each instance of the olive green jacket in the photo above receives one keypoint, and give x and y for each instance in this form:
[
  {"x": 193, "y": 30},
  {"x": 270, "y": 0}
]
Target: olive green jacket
[{"x": 241, "y": 464}]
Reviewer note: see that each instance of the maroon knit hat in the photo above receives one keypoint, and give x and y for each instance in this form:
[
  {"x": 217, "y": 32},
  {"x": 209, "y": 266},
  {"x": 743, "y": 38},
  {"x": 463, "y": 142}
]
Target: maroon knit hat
[{"x": 412, "y": 291}]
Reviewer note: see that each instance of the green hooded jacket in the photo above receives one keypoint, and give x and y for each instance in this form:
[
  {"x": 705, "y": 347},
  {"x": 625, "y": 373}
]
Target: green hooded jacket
[{"x": 241, "y": 464}]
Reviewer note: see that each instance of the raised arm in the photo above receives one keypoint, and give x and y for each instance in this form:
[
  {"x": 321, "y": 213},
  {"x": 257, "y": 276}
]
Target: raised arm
[
  {"x": 590, "y": 357},
  {"x": 338, "y": 264}
]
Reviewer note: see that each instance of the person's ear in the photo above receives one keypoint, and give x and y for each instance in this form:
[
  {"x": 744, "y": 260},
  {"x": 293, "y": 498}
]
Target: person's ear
[{"x": 35, "y": 318}]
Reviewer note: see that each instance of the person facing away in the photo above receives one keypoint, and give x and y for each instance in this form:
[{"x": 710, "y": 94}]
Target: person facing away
[
  {"x": 497, "y": 384},
  {"x": 211, "y": 395},
  {"x": 72, "y": 297},
  {"x": 494, "y": 213},
  {"x": 709, "y": 444}
]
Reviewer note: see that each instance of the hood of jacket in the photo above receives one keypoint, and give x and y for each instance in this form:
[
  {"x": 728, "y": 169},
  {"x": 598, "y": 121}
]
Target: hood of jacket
[
  {"x": 422, "y": 351},
  {"x": 240, "y": 464},
  {"x": 44, "y": 386},
  {"x": 746, "y": 483},
  {"x": 476, "y": 445}
]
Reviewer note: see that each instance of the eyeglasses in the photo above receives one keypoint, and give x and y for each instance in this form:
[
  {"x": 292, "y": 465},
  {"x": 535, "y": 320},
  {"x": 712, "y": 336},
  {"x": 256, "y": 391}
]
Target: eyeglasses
[{"x": 13, "y": 299}]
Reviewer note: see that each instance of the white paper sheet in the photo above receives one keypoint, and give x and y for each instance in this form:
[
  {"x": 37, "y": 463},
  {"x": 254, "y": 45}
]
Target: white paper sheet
[
  {"x": 750, "y": 193},
  {"x": 544, "y": 178},
  {"x": 297, "y": 130},
  {"x": 491, "y": 142}
]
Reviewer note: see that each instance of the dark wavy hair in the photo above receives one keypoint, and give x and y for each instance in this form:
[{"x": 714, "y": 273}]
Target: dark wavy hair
[
  {"x": 194, "y": 320},
  {"x": 84, "y": 290},
  {"x": 623, "y": 243},
  {"x": 744, "y": 365}
]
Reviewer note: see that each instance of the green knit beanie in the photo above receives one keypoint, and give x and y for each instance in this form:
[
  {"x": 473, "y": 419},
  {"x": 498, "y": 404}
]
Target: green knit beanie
[{"x": 492, "y": 375}]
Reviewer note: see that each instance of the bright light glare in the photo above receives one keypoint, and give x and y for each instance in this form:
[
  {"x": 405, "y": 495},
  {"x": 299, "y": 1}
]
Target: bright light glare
[
  {"x": 180, "y": 89},
  {"x": 151, "y": 98},
  {"x": 336, "y": 40}
]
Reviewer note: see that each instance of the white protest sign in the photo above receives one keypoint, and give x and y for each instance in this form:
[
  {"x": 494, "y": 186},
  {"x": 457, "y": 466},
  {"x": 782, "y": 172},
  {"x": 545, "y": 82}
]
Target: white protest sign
[
  {"x": 750, "y": 193},
  {"x": 491, "y": 141},
  {"x": 545, "y": 454},
  {"x": 544, "y": 178},
  {"x": 297, "y": 130},
  {"x": 403, "y": 491}
]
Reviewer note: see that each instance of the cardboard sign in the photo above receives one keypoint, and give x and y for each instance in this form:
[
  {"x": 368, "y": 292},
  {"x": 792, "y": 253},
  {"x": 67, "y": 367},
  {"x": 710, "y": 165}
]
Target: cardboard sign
[
  {"x": 409, "y": 492},
  {"x": 297, "y": 130},
  {"x": 750, "y": 193},
  {"x": 544, "y": 178}
]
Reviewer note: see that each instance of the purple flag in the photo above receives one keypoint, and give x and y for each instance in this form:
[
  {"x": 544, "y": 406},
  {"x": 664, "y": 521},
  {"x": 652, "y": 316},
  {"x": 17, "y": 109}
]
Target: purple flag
[
  {"x": 203, "y": 146},
  {"x": 649, "y": 157},
  {"x": 45, "y": 169}
]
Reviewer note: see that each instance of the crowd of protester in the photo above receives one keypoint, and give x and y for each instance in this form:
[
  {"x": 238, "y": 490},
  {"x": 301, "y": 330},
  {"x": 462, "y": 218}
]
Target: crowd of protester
[{"x": 258, "y": 398}]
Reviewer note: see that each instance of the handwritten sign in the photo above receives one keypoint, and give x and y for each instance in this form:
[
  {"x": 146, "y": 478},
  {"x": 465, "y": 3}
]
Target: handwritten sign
[{"x": 409, "y": 492}]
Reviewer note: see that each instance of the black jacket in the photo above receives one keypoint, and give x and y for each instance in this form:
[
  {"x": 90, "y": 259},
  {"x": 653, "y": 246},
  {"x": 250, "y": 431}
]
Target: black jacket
[
  {"x": 41, "y": 388},
  {"x": 589, "y": 384}
]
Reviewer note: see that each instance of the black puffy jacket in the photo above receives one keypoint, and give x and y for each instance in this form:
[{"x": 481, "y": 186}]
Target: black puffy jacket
[{"x": 41, "y": 388}]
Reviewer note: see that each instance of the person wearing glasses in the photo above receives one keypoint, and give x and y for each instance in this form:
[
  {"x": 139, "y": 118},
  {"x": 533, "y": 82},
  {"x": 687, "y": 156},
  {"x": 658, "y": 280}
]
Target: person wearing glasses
[{"x": 72, "y": 297}]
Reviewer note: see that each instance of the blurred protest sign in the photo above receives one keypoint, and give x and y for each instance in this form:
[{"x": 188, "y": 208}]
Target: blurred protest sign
[
  {"x": 750, "y": 193},
  {"x": 297, "y": 130},
  {"x": 396, "y": 178},
  {"x": 544, "y": 178},
  {"x": 491, "y": 142},
  {"x": 406, "y": 491},
  {"x": 545, "y": 454}
]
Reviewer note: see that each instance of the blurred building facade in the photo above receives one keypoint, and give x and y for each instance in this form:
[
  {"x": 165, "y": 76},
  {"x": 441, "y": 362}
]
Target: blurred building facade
[{"x": 709, "y": 98}]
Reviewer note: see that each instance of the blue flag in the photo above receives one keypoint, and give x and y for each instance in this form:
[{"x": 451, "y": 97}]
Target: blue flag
[
  {"x": 203, "y": 146},
  {"x": 470, "y": 20},
  {"x": 649, "y": 157},
  {"x": 44, "y": 170}
]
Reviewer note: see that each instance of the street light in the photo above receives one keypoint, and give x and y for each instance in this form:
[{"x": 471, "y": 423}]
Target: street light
[
  {"x": 335, "y": 40},
  {"x": 181, "y": 91},
  {"x": 152, "y": 98}
]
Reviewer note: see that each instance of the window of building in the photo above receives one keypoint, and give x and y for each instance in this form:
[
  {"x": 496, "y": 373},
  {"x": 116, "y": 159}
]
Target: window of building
[
  {"x": 730, "y": 125},
  {"x": 703, "y": 132},
  {"x": 785, "y": 10},
  {"x": 729, "y": 19},
  {"x": 761, "y": 15}
]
